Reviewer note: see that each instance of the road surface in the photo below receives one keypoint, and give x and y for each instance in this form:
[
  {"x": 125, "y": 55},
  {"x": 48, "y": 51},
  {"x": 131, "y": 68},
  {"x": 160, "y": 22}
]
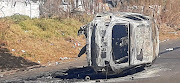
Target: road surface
[{"x": 166, "y": 69}]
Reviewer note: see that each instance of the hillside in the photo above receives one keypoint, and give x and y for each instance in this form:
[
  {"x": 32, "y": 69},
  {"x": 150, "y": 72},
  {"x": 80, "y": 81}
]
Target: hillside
[{"x": 43, "y": 41}]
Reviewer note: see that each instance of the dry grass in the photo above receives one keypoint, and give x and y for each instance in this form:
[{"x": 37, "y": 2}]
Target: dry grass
[
  {"x": 167, "y": 32},
  {"x": 167, "y": 15},
  {"x": 44, "y": 40}
]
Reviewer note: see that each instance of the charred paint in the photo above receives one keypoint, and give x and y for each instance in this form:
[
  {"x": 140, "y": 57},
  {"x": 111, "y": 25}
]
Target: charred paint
[{"x": 120, "y": 40}]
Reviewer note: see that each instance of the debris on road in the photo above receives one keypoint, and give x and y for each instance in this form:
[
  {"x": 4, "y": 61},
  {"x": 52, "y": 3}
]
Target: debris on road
[{"x": 169, "y": 49}]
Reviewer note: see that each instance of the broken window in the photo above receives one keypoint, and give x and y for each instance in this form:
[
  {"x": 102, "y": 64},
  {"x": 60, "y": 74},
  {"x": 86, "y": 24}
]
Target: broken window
[{"x": 120, "y": 43}]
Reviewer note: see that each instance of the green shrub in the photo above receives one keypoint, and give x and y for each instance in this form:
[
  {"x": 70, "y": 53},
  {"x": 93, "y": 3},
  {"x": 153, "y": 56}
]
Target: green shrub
[
  {"x": 19, "y": 18},
  {"x": 45, "y": 27}
]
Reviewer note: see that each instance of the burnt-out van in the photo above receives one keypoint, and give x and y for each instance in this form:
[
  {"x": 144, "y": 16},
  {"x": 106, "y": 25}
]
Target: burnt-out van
[{"x": 118, "y": 41}]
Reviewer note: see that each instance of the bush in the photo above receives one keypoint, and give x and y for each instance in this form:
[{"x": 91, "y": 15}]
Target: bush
[{"x": 18, "y": 18}]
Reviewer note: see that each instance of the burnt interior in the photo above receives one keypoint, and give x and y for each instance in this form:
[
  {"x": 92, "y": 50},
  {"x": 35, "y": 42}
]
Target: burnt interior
[{"x": 120, "y": 43}]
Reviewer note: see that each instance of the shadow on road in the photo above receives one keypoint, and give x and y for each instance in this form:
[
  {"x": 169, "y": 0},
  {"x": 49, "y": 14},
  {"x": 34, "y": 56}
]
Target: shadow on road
[
  {"x": 10, "y": 62},
  {"x": 81, "y": 73}
]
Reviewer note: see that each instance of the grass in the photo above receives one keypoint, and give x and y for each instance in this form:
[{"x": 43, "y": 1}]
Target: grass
[
  {"x": 167, "y": 32},
  {"x": 43, "y": 40},
  {"x": 47, "y": 28}
]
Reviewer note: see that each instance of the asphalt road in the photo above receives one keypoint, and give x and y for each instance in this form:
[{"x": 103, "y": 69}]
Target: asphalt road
[{"x": 166, "y": 69}]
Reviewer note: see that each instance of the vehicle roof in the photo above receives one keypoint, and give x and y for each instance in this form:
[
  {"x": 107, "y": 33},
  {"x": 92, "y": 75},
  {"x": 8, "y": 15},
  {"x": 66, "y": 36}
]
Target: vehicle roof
[{"x": 123, "y": 16}]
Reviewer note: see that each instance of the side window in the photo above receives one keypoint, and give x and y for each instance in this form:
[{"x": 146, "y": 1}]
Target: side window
[{"x": 120, "y": 43}]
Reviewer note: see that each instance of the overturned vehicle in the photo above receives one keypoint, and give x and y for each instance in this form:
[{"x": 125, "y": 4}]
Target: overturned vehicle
[{"x": 119, "y": 41}]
